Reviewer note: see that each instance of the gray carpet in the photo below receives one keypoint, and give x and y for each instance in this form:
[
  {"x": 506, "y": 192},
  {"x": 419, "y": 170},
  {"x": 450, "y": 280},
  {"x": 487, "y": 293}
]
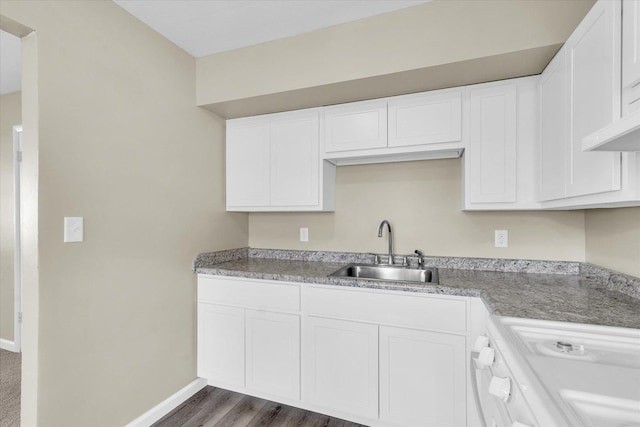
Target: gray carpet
[{"x": 10, "y": 364}]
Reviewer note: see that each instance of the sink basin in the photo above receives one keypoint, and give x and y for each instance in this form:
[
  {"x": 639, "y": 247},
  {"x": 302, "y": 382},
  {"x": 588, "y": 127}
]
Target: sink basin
[{"x": 388, "y": 272}]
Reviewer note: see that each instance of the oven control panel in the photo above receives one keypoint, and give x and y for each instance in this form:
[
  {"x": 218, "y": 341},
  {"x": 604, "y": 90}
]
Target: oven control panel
[{"x": 498, "y": 395}]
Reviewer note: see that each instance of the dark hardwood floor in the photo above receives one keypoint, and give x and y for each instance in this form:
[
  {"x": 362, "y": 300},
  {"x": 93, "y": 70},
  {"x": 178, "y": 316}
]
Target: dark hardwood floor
[{"x": 222, "y": 408}]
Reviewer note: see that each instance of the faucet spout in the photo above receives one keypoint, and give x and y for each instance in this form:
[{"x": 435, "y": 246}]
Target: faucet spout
[{"x": 390, "y": 261}]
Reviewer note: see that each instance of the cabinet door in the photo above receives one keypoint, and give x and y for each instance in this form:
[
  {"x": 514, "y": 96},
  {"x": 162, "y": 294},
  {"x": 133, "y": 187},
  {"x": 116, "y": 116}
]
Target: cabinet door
[
  {"x": 492, "y": 149},
  {"x": 273, "y": 353},
  {"x": 554, "y": 131},
  {"x": 248, "y": 154},
  {"x": 295, "y": 159},
  {"x": 422, "y": 378},
  {"x": 355, "y": 126},
  {"x": 630, "y": 43},
  {"x": 425, "y": 119},
  {"x": 631, "y": 55},
  {"x": 594, "y": 52},
  {"x": 221, "y": 344},
  {"x": 340, "y": 365}
]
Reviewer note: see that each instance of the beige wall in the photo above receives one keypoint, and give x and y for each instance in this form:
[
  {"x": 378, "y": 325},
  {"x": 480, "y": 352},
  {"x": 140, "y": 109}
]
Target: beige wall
[
  {"x": 122, "y": 144},
  {"x": 613, "y": 239},
  {"x": 9, "y": 117},
  {"x": 419, "y": 38},
  {"x": 422, "y": 201}
]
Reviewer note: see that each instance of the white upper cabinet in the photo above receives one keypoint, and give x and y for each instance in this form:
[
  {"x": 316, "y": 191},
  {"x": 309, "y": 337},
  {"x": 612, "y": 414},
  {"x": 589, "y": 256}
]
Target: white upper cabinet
[
  {"x": 631, "y": 56},
  {"x": 295, "y": 160},
  {"x": 524, "y": 138},
  {"x": 580, "y": 95},
  {"x": 355, "y": 126},
  {"x": 492, "y": 150},
  {"x": 273, "y": 164},
  {"x": 623, "y": 134},
  {"x": 499, "y": 168},
  {"x": 554, "y": 129},
  {"x": 594, "y": 82},
  {"x": 248, "y": 174},
  {"x": 428, "y": 118},
  {"x": 410, "y": 127}
]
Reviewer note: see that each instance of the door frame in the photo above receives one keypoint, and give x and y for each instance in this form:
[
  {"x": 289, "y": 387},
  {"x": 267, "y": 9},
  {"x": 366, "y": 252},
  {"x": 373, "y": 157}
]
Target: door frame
[{"x": 17, "y": 240}]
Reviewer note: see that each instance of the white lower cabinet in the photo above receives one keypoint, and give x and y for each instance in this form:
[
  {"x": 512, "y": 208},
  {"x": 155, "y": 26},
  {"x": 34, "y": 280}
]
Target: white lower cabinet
[
  {"x": 422, "y": 378},
  {"x": 221, "y": 344},
  {"x": 273, "y": 353},
  {"x": 375, "y": 357},
  {"x": 246, "y": 342},
  {"x": 341, "y": 365},
  {"x": 240, "y": 348}
]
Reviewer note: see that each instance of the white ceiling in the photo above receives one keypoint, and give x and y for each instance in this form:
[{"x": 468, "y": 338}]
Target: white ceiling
[
  {"x": 204, "y": 27},
  {"x": 10, "y": 55}
]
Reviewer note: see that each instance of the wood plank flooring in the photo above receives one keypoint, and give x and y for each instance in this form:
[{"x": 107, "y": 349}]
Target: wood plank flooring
[{"x": 215, "y": 407}]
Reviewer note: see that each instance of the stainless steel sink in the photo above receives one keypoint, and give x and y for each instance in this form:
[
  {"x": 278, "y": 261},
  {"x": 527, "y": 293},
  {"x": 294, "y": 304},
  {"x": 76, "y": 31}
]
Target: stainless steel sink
[{"x": 388, "y": 272}]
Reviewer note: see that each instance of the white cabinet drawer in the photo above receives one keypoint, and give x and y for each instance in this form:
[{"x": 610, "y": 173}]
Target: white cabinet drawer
[
  {"x": 413, "y": 311},
  {"x": 258, "y": 294}
]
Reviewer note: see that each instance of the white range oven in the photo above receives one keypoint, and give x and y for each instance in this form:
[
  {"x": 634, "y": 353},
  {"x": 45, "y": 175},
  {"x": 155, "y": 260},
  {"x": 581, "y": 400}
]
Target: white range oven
[{"x": 536, "y": 373}]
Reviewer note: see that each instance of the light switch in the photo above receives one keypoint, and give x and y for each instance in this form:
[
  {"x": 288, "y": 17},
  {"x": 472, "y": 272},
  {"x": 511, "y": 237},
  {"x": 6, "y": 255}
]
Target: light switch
[
  {"x": 73, "y": 229},
  {"x": 304, "y": 234}
]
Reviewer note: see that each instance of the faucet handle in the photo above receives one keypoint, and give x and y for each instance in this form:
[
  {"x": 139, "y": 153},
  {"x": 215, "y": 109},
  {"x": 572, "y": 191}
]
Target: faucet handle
[{"x": 376, "y": 257}]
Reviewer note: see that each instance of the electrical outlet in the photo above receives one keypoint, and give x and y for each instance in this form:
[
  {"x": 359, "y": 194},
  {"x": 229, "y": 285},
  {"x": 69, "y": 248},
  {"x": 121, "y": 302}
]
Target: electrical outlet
[
  {"x": 502, "y": 238},
  {"x": 304, "y": 234},
  {"x": 73, "y": 229}
]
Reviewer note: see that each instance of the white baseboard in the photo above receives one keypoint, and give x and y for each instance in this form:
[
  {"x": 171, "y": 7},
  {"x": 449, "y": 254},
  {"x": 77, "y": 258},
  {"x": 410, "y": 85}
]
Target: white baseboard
[
  {"x": 8, "y": 345},
  {"x": 169, "y": 404}
]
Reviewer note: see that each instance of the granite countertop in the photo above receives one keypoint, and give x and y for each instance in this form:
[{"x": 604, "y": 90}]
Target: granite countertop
[{"x": 558, "y": 297}]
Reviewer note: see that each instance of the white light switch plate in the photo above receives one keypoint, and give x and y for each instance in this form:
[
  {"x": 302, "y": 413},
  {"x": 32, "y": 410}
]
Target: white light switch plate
[
  {"x": 73, "y": 229},
  {"x": 304, "y": 234}
]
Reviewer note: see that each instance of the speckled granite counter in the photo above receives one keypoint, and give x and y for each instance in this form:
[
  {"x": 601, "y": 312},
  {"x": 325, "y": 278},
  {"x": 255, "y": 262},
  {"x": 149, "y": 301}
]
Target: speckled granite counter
[{"x": 560, "y": 297}]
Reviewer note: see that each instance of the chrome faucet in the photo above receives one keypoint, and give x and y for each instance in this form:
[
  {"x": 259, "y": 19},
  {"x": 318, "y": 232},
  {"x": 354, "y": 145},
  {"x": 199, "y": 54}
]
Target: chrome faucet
[
  {"x": 420, "y": 257},
  {"x": 390, "y": 262}
]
